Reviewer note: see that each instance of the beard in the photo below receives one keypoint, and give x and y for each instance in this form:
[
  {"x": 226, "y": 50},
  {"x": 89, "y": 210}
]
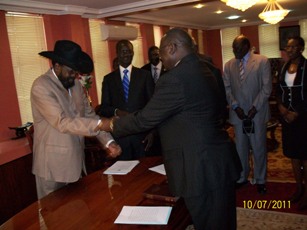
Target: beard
[{"x": 67, "y": 82}]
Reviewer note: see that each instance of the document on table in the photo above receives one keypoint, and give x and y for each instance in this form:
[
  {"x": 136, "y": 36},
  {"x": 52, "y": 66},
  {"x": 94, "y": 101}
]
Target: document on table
[
  {"x": 147, "y": 215},
  {"x": 159, "y": 169},
  {"x": 121, "y": 167}
]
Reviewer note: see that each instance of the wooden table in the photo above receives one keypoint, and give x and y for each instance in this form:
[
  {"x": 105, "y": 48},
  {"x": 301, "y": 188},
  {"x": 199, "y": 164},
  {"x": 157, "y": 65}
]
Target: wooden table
[{"x": 95, "y": 201}]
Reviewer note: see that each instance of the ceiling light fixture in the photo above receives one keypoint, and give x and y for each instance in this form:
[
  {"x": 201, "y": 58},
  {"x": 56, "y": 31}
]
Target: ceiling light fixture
[
  {"x": 233, "y": 17},
  {"x": 199, "y": 6},
  {"x": 273, "y": 12},
  {"x": 240, "y": 4}
]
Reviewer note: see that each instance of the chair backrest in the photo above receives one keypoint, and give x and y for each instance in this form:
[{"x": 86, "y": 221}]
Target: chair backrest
[{"x": 29, "y": 135}]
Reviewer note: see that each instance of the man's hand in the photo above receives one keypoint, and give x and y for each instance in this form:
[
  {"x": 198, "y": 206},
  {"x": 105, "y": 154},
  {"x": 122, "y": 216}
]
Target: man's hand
[
  {"x": 240, "y": 113},
  {"x": 252, "y": 112},
  {"x": 114, "y": 149}
]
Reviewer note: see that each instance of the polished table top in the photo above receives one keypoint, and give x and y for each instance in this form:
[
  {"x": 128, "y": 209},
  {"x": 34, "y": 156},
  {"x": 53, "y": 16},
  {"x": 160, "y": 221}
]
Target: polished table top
[{"x": 95, "y": 201}]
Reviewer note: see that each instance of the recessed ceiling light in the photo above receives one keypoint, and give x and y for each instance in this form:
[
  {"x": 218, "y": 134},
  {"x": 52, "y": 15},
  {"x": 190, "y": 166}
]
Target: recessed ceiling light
[
  {"x": 233, "y": 17},
  {"x": 199, "y": 6},
  {"x": 219, "y": 12},
  {"x": 244, "y": 20}
]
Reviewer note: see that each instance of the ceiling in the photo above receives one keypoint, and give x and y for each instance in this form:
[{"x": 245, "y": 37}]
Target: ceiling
[{"x": 179, "y": 13}]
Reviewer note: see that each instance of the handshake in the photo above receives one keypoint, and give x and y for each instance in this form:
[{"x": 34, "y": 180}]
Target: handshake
[{"x": 106, "y": 125}]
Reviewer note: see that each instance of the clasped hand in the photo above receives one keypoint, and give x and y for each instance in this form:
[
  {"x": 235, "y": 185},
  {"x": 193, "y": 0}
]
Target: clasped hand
[{"x": 241, "y": 115}]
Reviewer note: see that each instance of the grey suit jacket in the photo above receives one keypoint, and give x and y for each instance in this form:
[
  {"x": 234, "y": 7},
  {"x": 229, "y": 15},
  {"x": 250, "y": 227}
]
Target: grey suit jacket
[
  {"x": 255, "y": 89},
  {"x": 60, "y": 122},
  {"x": 197, "y": 152}
]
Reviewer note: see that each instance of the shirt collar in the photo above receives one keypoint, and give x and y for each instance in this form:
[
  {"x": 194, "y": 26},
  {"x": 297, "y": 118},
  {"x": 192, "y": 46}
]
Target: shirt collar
[{"x": 121, "y": 69}]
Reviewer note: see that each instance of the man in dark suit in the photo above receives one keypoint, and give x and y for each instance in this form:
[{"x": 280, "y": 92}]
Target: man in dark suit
[
  {"x": 115, "y": 102},
  {"x": 200, "y": 160},
  {"x": 155, "y": 65}
]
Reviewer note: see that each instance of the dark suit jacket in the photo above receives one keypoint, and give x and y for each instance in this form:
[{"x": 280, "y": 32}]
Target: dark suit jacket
[
  {"x": 198, "y": 154},
  {"x": 141, "y": 88},
  {"x": 148, "y": 68}
]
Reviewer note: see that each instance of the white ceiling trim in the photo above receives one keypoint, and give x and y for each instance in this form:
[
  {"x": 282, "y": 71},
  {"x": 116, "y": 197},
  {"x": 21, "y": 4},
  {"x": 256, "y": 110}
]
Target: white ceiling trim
[{"x": 58, "y": 9}]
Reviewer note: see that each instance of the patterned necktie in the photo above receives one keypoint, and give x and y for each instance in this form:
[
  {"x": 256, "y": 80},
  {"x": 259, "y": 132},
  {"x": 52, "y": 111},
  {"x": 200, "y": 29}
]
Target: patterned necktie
[
  {"x": 126, "y": 84},
  {"x": 155, "y": 77},
  {"x": 241, "y": 70}
]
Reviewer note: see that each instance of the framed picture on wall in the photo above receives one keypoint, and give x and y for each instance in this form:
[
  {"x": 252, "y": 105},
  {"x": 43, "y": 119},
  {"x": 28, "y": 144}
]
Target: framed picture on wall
[{"x": 285, "y": 33}]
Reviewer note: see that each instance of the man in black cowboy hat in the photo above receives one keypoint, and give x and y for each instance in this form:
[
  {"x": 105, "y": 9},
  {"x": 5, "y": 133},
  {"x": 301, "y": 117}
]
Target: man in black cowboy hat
[{"x": 62, "y": 117}]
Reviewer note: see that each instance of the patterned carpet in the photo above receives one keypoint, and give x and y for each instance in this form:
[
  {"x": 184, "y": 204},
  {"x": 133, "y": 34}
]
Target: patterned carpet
[
  {"x": 279, "y": 167},
  {"x": 253, "y": 219}
]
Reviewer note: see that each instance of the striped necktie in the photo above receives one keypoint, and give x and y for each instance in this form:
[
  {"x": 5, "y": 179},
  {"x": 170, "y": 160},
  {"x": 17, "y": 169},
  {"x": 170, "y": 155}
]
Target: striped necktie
[
  {"x": 241, "y": 67},
  {"x": 155, "y": 77},
  {"x": 126, "y": 84}
]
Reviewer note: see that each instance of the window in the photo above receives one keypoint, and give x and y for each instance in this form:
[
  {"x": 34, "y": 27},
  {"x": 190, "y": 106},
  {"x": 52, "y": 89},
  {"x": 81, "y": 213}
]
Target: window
[
  {"x": 27, "y": 38},
  {"x": 303, "y": 28},
  {"x": 138, "y": 58},
  {"x": 100, "y": 55},
  {"x": 227, "y": 37},
  {"x": 269, "y": 41}
]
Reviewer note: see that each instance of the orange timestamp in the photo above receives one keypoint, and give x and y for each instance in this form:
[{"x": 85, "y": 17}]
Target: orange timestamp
[{"x": 266, "y": 204}]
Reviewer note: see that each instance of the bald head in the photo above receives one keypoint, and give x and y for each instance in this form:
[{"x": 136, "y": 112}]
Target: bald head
[
  {"x": 175, "y": 45},
  {"x": 240, "y": 46}
]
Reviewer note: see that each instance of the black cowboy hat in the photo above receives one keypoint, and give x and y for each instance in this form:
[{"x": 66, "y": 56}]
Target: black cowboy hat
[{"x": 70, "y": 54}]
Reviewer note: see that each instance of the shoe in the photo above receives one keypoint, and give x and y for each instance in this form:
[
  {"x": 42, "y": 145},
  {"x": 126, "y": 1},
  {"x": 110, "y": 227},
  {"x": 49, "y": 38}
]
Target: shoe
[
  {"x": 241, "y": 184},
  {"x": 261, "y": 189}
]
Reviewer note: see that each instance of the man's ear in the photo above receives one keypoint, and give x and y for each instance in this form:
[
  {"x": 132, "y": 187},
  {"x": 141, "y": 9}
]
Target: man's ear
[
  {"x": 172, "y": 48},
  {"x": 57, "y": 68}
]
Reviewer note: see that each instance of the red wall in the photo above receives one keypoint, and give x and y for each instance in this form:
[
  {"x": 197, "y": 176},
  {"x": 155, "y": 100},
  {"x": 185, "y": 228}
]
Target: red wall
[
  {"x": 214, "y": 48},
  {"x": 252, "y": 33},
  {"x": 9, "y": 115}
]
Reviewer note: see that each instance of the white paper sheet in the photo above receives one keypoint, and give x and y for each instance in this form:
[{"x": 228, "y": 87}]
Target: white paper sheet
[
  {"x": 147, "y": 215},
  {"x": 159, "y": 169},
  {"x": 121, "y": 167}
]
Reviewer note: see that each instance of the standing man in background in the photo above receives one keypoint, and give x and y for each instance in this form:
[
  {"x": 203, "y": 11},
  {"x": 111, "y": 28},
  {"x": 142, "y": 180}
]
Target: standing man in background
[
  {"x": 155, "y": 65},
  {"x": 62, "y": 117},
  {"x": 200, "y": 160},
  {"x": 248, "y": 85},
  {"x": 126, "y": 90}
]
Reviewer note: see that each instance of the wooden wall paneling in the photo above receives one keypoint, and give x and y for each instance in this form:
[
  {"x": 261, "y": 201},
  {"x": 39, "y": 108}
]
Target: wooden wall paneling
[{"x": 17, "y": 187}]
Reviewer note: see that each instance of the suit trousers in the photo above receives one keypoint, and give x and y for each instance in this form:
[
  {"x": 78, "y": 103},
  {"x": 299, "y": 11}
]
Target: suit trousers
[
  {"x": 255, "y": 142},
  {"x": 215, "y": 210},
  {"x": 44, "y": 187}
]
